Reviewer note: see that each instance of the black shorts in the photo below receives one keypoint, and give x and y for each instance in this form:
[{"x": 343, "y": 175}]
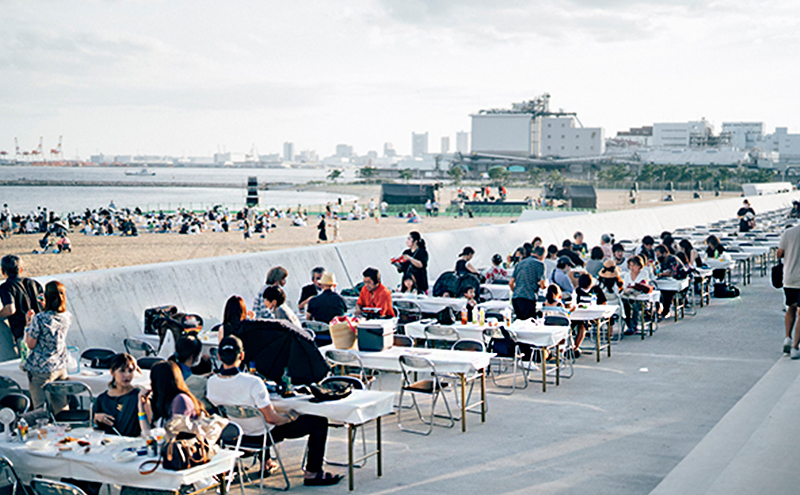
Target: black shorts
[
  {"x": 524, "y": 308},
  {"x": 792, "y": 296}
]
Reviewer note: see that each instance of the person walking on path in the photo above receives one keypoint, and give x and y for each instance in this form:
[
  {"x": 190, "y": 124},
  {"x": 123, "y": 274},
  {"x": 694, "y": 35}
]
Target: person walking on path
[
  {"x": 747, "y": 217},
  {"x": 789, "y": 251},
  {"x": 528, "y": 277},
  {"x": 323, "y": 234}
]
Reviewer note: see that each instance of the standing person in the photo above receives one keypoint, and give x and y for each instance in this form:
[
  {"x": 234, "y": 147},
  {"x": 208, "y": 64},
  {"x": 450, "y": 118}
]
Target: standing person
[
  {"x": 323, "y": 234},
  {"x": 789, "y": 251},
  {"x": 231, "y": 387},
  {"x": 17, "y": 296},
  {"x": 374, "y": 294},
  {"x": 246, "y": 228},
  {"x": 311, "y": 289},
  {"x": 276, "y": 276},
  {"x": 336, "y": 229},
  {"x": 327, "y": 305},
  {"x": 527, "y": 279},
  {"x": 428, "y": 207},
  {"x": 415, "y": 261},
  {"x": 46, "y": 337},
  {"x": 747, "y": 217}
]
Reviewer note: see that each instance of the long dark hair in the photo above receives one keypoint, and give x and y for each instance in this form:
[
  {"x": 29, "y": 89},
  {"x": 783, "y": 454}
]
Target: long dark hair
[
  {"x": 188, "y": 346},
  {"x": 166, "y": 382},
  {"x": 414, "y": 235}
]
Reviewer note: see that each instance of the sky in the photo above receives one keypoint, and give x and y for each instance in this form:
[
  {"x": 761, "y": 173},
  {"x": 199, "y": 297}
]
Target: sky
[{"x": 190, "y": 78}]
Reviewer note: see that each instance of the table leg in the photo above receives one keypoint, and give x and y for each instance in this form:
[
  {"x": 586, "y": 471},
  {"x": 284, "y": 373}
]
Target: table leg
[
  {"x": 640, "y": 304},
  {"x": 223, "y": 484},
  {"x": 483, "y": 395},
  {"x": 597, "y": 339},
  {"x": 558, "y": 365},
  {"x": 463, "y": 402},
  {"x": 380, "y": 447},
  {"x": 609, "y": 333},
  {"x": 350, "y": 436},
  {"x": 544, "y": 369}
]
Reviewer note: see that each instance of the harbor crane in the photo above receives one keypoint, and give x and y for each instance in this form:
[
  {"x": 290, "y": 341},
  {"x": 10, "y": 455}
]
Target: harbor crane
[{"x": 56, "y": 152}]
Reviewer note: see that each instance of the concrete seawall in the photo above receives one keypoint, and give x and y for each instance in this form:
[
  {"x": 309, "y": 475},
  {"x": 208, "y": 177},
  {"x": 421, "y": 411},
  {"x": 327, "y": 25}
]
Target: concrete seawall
[{"x": 108, "y": 305}]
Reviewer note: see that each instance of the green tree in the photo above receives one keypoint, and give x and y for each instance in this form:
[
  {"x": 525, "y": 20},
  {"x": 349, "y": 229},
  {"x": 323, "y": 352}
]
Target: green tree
[
  {"x": 555, "y": 177},
  {"x": 615, "y": 173},
  {"x": 498, "y": 175},
  {"x": 334, "y": 174},
  {"x": 456, "y": 173},
  {"x": 367, "y": 172},
  {"x": 406, "y": 174},
  {"x": 650, "y": 172},
  {"x": 723, "y": 174},
  {"x": 535, "y": 175},
  {"x": 702, "y": 174}
]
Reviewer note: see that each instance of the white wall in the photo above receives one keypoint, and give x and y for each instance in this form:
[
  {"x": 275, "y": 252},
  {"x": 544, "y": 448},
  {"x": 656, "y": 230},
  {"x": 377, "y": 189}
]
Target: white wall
[
  {"x": 502, "y": 134},
  {"x": 109, "y": 305},
  {"x": 560, "y": 137}
]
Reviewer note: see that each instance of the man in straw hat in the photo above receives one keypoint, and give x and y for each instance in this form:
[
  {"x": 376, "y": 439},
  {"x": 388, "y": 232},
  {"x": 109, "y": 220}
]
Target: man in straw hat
[{"x": 327, "y": 305}]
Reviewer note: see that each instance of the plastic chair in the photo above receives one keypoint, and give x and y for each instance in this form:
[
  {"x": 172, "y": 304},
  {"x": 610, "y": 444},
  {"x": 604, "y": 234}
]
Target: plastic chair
[
  {"x": 432, "y": 387},
  {"x": 147, "y": 362},
  {"x": 358, "y": 385},
  {"x": 507, "y": 350},
  {"x": 48, "y": 487},
  {"x": 8, "y": 472},
  {"x": 441, "y": 333},
  {"x": 245, "y": 412},
  {"x": 349, "y": 359},
  {"x": 70, "y": 416},
  {"x": 135, "y": 347}
]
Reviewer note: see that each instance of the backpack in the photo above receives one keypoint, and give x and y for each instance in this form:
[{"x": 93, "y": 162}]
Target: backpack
[{"x": 725, "y": 291}]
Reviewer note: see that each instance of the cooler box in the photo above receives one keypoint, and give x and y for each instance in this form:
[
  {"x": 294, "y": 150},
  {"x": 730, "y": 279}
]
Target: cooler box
[{"x": 375, "y": 335}]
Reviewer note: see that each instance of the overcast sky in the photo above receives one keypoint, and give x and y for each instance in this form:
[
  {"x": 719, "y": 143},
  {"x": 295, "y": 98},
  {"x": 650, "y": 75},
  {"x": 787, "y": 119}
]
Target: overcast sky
[{"x": 192, "y": 77}]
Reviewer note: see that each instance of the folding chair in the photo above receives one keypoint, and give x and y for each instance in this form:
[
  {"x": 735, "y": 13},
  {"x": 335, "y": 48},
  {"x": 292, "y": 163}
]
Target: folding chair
[
  {"x": 8, "y": 385},
  {"x": 9, "y": 474},
  {"x": 231, "y": 439},
  {"x": 358, "y": 385},
  {"x": 432, "y": 387},
  {"x": 407, "y": 311},
  {"x": 322, "y": 332},
  {"x": 147, "y": 362},
  {"x": 244, "y": 412},
  {"x": 567, "y": 350},
  {"x": 403, "y": 341},
  {"x": 96, "y": 353},
  {"x": 347, "y": 359},
  {"x": 507, "y": 350},
  {"x": 19, "y": 403},
  {"x": 138, "y": 348},
  {"x": 48, "y": 487},
  {"x": 469, "y": 345},
  {"x": 71, "y": 416},
  {"x": 438, "y": 332}
]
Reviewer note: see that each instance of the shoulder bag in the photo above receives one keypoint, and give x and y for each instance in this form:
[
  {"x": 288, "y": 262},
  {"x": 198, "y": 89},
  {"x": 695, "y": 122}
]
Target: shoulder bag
[{"x": 777, "y": 275}]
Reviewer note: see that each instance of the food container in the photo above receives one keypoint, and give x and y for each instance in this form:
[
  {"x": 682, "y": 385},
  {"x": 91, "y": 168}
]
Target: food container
[{"x": 375, "y": 335}]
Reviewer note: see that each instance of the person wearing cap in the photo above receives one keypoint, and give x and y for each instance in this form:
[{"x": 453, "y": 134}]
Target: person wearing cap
[
  {"x": 525, "y": 283},
  {"x": 231, "y": 387},
  {"x": 327, "y": 305},
  {"x": 496, "y": 273},
  {"x": 374, "y": 294},
  {"x": 311, "y": 289},
  {"x": 560, "y": 275},
  {"x": 463, "y": 265}
]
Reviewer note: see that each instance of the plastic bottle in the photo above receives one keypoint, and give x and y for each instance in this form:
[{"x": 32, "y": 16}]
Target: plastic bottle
[
  {"x": 481, "y": 317},
  {"x": 286, "y": 380},
  {"x": 24, "y": 351},
  {"x": 593, "y": 300},
  {"x": 22, "y": 427},
  {"x": 464, "y": 316}
]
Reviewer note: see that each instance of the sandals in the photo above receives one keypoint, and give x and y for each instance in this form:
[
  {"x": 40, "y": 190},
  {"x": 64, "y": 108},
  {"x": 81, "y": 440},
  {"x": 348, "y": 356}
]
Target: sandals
[{"x": 323, "y": 479}]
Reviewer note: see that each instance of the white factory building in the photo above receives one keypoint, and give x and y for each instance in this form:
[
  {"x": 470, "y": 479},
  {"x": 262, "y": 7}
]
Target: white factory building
[{"x": 525, "y": 135}]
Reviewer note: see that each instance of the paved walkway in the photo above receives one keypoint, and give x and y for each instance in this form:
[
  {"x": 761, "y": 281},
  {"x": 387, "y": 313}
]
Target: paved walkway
[{"x": 623, "y": 425}]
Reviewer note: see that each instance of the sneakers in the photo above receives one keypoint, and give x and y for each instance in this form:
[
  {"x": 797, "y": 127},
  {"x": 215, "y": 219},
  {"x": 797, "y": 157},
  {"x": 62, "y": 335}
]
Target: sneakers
[
  {"x": 794, "y": 353},
  {"x": 787, "y": 345}
]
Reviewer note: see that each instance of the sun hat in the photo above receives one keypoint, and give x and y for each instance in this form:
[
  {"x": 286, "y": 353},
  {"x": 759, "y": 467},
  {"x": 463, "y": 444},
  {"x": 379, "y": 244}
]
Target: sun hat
[{"x": 328, "y": 278}]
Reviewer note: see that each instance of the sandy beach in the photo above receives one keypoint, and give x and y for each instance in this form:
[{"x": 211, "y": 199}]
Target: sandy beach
[{"x": 100, "y": 252}]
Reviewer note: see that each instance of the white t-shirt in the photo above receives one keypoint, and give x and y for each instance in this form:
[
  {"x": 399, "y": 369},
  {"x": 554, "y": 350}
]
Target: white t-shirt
[
  {"x": 241, "y": 389},
  {"x": 628, "y": 281},
  {"x": 790, "y": 243}
]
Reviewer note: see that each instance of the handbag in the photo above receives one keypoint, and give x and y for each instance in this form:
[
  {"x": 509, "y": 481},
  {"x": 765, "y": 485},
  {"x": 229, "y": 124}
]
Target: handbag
[
  {"x": 643, "y": 287},
  {"x": 189, "y": 443},
  {"x": 326, "y": 392},
  {"x": 777, "y": 275},
  {"x": 446, "y": 316}
]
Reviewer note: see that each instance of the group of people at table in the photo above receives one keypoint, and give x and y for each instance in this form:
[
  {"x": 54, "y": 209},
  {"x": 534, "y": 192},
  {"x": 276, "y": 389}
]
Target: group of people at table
[{"x": 185, "y": 385}]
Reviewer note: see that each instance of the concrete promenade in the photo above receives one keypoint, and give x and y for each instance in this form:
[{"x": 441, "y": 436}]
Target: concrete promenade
[{"x": 623, "y": 425}]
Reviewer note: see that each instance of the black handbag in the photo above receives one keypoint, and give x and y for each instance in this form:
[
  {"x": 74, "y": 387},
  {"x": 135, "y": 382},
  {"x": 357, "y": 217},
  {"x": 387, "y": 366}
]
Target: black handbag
[
  {"x": 777, "y": 275},
  {"x": 326, "y": 392}
]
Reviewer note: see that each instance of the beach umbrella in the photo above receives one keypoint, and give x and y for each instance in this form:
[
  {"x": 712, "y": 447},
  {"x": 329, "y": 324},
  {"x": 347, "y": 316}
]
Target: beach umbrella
[{"x": 275, "y": 345}]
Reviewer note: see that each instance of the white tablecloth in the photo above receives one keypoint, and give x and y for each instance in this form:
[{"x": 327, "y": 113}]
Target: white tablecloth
[
  {"x": 433, "y": 304},
  {"x": 593, "y": 312},
  {"x": 358, "y": 408},
  {"x": 98, "y": 465},
  {"x": 672, "y": 284},
  {"x": 446, "y": 361},
  {"x": 715, "y": 264},
  {"x": 416, "y": 330},
  {"x": 654, "y": 296},
  {"x": 495, "y": 306},
  {"x": 498, "y": 291},
  {"x": 539, "y": 335},
  {"x": 209, "y": 339},
  {"x": 97, "y": 380}
]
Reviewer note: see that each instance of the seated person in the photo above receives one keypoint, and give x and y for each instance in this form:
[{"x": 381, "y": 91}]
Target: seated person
[
  {"x": 560, "y": 275},
  {"x": 116, "y": 409},
  {"x": 463, "y": 265},
  {"x": 594, "y": 264},
  {"x": 374, "y": 294},
  {"x": 646, "y": 249},
  {"x": 275, "y": 302},
  {"x": 554, "y": 305},
  {"x": 497, "y": 274},
  {"x": 408, "y": 285},
  {"x": 327, "y": 305},
  {"x": 635, "y": 274},
  {"x": 311, "y": 289},
  {"x": 618, "y": 255},
  {"x": 587, "y": 290},
  {"x": 194, "y": 369},
  {"x": 579, "y": 246},
  {"x": 669, "y": 266},
  {"x": 235, "y": 312},
  {"x": 566, "y": 250},
  {"x": 230, "y": 387},
  {"x": 472, "y": 304}
]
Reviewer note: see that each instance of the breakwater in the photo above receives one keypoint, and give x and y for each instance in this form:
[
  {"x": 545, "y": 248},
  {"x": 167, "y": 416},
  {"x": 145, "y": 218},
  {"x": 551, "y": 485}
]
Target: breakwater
[{"x": 134, "y": 183}]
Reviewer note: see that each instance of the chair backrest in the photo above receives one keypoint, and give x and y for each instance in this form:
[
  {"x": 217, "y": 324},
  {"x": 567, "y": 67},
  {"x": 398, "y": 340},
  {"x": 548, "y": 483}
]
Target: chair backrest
[
  {"x": 8, "y": 384},
  {"x": 351, "y": 380},
  {"x": 97, "y": 353},
  {"x": 343, "y": 358},
  {"x": 243, "y": 412},
  {"x": 407, "y": 311},
  {"x": 8, "y": 473},
  {"x": 556, "y": 320},
  {"x": 469, "y": 345},
  {"x": 67, "y": 388},
  {"x": 134, "y": 346},
  {"x": 403, "y": 341},
  {"x": 231, "y": 436},
  {"x": 19, "y": 403},
  {"x": 148, "y": 362},
  {"x": 504, "y": 346},
  {"x": 48, "y": 487},
  {"x": 317, "y": 326},
  {"x": 440, "y": 332},
  {"x": 416, "y": 363}
]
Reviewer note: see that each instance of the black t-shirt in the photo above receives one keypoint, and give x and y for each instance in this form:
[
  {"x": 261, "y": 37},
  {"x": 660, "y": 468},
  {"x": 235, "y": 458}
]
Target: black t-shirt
[
  {"x": 309, "y": 290},
  {"x": 585, "y": 296},
  {"x": 24, "y": 293},
  {"x": 420, "y": 274},
  {"x": 744, "y": 222},
  {"x": 124, "y": 410},
  {"x": 461, "y": 266},
  {"x": 326, "y": 306},
  {"x": 572, "y": 255}
]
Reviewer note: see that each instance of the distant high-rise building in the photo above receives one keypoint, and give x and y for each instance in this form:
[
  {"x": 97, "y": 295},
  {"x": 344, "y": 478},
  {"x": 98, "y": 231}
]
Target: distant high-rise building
[
  {"x": 445, "y": 144},
  {"x": 419, "y": 144},
  {"x": 388, "y": 150},
  {"x": 344, "y": 150},
  {"x": 462, "y": 142},
  {"x": 288, "y": 151}
]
